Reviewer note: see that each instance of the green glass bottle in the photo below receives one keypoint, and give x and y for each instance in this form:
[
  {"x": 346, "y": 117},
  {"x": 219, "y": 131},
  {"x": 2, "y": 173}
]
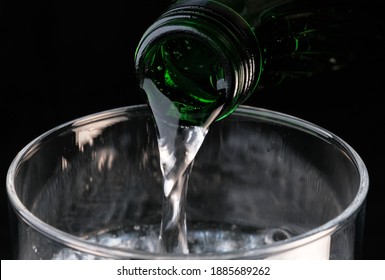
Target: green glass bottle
[{"x": 201, "y": 59}]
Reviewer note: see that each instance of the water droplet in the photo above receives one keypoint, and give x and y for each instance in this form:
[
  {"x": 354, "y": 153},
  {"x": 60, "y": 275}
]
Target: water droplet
[
  {"x": 136, "y": 227},
  {"x": 277, "y": 235}
]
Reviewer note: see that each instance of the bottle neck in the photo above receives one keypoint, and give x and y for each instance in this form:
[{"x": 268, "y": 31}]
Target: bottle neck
[{"x": 202, "y": 57}]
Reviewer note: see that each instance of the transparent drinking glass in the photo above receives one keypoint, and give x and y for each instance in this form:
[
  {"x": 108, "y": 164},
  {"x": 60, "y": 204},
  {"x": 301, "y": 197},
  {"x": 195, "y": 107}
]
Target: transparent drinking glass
[{"x": 264, "y": 185}]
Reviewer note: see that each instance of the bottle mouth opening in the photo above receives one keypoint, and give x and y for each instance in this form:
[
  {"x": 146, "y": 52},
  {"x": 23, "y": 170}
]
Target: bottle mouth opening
[
  {"x": 200, "y": 59},
  {"x": 187, "y": 65},
  {"x": 185, "y": 47}
]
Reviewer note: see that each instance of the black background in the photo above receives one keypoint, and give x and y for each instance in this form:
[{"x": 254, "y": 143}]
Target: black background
[{"x": 63, "y": 60}]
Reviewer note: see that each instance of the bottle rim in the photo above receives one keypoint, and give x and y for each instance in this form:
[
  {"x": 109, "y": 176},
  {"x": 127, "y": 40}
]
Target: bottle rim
[{"x": 228, "y": 36}]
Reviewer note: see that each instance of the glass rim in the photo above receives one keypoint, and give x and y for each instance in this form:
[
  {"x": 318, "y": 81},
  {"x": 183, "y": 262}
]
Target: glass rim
[{"x": 271, "y": 116}]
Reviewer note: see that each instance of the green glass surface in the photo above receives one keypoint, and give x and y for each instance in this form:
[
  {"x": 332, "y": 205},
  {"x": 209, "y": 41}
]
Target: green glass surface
[{"x": 190, "y": 75}]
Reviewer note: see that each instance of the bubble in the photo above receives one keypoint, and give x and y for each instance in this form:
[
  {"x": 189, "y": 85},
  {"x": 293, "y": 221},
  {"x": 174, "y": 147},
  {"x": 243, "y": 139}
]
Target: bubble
[
  {"x": 136, "y": 227},
  {"x": 276, "y": 235}
]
